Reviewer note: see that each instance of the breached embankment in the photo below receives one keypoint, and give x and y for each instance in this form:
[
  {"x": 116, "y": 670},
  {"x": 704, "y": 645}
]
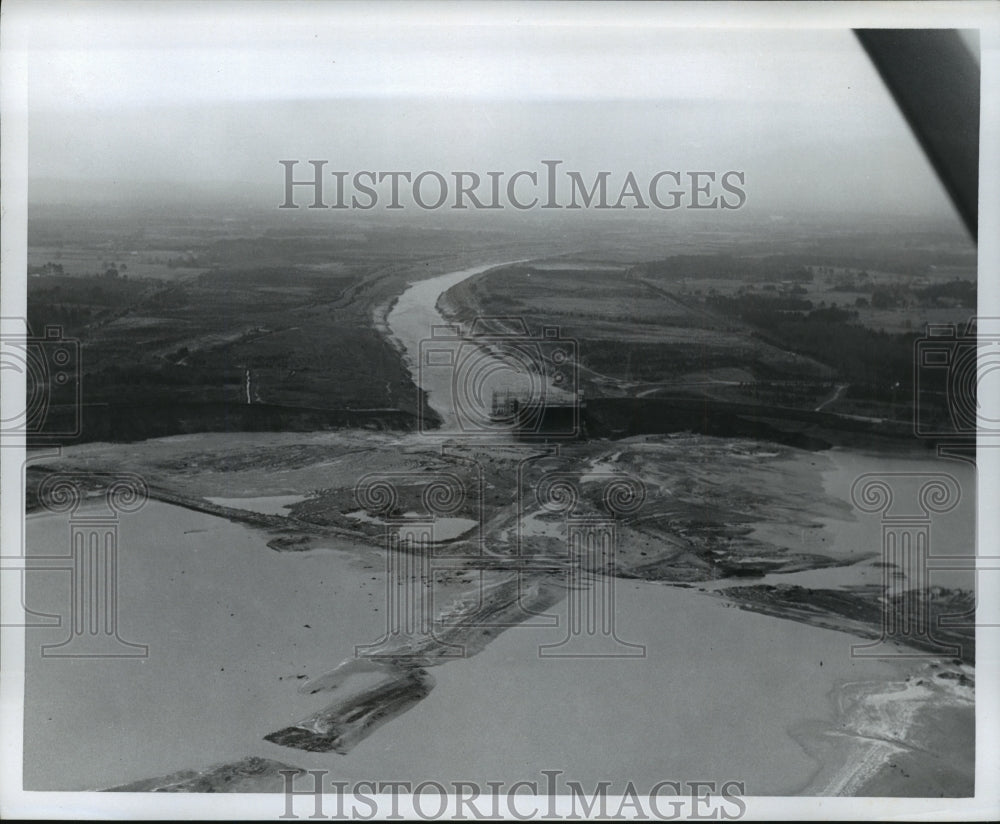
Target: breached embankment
[{"x": 398, "y": 668}]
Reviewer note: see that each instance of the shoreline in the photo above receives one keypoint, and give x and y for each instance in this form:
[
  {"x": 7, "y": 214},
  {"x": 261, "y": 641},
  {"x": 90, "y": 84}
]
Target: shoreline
[
  {"x": 817, "y": 736},
  {"x": 351, "y": 722},
  {"x": 876, "y": 745}
]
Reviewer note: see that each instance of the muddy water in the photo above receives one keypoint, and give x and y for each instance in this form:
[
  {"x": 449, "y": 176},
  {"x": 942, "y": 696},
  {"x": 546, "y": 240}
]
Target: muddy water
[
  {"x": 231, "y": 625},
  {"x": 855, "y": 537},
  {"x": 952, "y": 533},
  {"x": 459, "y": 376},
  {"x": 716, "y": 687},
  {"x": 233, "y": 629},
  {"x": 713, "y": 697},
  {"x": 413, "y": 321}
]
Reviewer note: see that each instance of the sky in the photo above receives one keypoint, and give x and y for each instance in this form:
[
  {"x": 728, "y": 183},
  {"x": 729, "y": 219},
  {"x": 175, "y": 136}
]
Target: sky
[{"x": 214, "y": 96}]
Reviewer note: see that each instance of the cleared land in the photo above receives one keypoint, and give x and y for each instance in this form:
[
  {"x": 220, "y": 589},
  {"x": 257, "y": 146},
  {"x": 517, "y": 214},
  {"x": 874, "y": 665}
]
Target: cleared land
[
  {"x": 185, "y": 326},
  {"x": 788, "y": 330}
]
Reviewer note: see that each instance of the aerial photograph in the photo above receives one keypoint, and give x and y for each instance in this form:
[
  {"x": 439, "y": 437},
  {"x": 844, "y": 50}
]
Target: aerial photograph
[{"x": 503, "y": 406}]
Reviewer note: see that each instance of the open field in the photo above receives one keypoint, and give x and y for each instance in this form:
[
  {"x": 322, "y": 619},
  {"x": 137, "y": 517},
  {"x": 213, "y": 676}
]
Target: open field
[
  {"x": 784, "y": 330},
  {"x": 242, "y": 317}
]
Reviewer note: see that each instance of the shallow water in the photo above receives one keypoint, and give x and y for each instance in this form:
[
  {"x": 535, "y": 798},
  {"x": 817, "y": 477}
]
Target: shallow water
[
  {"x": 853, "y": 537},
  {"x": 458, "y": 375},
  {"x": 702, "y": 704},
  {"x": 234, "y": 629},
  {"x": 445, "y": 529},
  {"x": 230, "y": 625},
  {"x": 952, "y": 533},
  {"x": 413, "y": 320}
]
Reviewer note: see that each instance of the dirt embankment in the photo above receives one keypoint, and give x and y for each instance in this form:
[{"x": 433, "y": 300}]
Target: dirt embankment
[{"x": 694, "y": 521}]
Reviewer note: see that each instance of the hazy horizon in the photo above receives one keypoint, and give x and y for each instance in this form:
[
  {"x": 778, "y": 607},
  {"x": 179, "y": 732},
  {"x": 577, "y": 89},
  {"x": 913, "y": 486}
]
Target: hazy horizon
[{"x": 187, "y": 102}]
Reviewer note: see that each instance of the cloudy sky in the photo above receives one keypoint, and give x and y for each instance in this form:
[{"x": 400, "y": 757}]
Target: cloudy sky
[{"x": 215, "y": 94}]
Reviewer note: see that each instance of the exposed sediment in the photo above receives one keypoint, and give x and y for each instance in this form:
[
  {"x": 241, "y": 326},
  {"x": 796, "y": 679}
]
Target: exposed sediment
[
  {"x": 341, "y": 725},
  {"x": 398, "y": 667},
  {"x": 863, "y": 610},
  {"x": 903, "y": 738},
  {"x": 716, "y": 512},
  {"x": 252, "y": 774}
]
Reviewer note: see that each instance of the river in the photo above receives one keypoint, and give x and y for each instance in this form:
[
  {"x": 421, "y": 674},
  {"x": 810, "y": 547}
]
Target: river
[
  {"x": 458, "y": 375},
  {"x": 697, "y": 703},
  {"x": 233, "y": 628}
]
